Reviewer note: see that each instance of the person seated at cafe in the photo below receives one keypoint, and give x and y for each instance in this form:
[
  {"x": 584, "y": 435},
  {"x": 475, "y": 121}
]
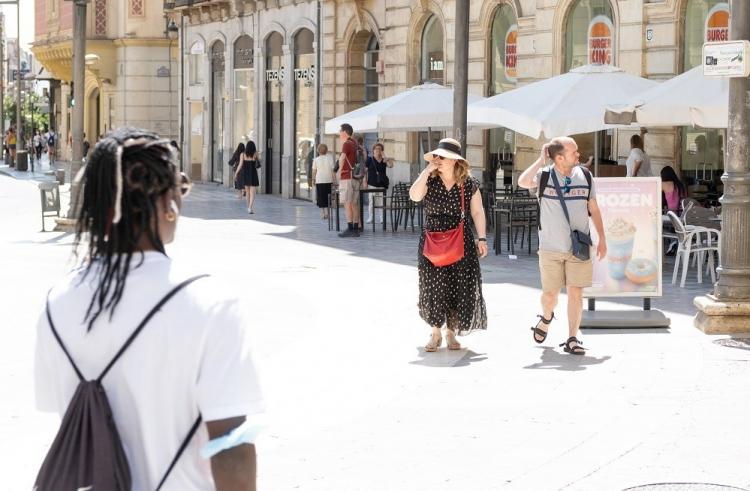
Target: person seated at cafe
[{"x": 672, "y": 190}]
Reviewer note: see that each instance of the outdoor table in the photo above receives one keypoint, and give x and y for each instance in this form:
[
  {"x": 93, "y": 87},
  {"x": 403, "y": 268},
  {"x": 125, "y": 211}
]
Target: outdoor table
[{"x": 362, "y": 193}]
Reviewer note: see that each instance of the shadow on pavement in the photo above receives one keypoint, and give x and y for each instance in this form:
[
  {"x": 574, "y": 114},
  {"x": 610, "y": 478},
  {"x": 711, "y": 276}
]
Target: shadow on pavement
[
  {"x": 554, "y": 360},
  {"x": 630, "y": 330},
  {"x": 213, "y": 202},
  {"x": 444, "y": 358}
]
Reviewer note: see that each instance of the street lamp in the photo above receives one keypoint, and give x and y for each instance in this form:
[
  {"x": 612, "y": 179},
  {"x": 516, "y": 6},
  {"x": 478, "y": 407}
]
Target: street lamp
[
  {"x": 17, "y": 3},
  {"x": 171, "y": 32}
]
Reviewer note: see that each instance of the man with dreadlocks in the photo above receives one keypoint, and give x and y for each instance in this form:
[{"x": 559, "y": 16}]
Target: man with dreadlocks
[{"x": 190, "y": 360}]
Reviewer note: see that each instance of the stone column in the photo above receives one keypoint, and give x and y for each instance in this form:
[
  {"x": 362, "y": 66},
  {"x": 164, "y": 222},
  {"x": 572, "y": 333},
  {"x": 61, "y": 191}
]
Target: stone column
[
  {"x": 728, "y": 309},
  {"x": 288, "y": 158}
]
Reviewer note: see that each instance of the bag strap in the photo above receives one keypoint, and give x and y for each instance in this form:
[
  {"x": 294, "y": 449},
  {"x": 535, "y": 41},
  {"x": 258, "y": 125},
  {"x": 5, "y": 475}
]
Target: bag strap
[
  {"x": 60, "y": 342},
  {"x": 145, "y": 320},
  {"x": 463, "y": 208},
  {"x": 560, "y": 197},
  {"x": 180, "y": 451}
]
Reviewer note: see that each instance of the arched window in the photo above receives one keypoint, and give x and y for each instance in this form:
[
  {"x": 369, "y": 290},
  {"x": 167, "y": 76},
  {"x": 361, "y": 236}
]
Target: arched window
[
  {"x": 196, "y": 63},
  {"x": 433, "y": 58},
  {"x": 372, "y": 55},
  {"x": 304, "y": 112},
  {"x": 503, "y": 43},
  {"x": 702, "y": 150},
  {"x": 589, "y": 34},
  {"x": 244, "y": 88}
]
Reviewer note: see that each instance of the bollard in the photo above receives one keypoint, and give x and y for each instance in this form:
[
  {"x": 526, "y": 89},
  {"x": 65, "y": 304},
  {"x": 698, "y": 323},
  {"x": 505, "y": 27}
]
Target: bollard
[
  {"x": 22, "y": 160},
  {"x": 60, "y": 176}
]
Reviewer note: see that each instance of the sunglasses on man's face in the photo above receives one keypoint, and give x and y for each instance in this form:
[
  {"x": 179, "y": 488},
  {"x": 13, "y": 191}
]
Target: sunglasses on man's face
[{"x": 184, "y": 184}]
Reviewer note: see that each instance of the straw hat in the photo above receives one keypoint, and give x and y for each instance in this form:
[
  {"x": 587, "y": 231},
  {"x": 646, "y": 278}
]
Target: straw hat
[{"x": 447, "y": 148}]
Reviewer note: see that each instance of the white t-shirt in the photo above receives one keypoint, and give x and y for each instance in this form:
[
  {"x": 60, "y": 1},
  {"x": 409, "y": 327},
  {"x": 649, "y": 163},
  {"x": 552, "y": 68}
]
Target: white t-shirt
[
  {"x": 645, "y": 168},
  {"x": 193, "y": 356},
  {"x": 323, "y": 169}
]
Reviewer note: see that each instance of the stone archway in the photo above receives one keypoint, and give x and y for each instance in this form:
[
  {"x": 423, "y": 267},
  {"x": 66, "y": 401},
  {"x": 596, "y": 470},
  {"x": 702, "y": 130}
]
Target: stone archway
[{"x": 358, "y": 61}]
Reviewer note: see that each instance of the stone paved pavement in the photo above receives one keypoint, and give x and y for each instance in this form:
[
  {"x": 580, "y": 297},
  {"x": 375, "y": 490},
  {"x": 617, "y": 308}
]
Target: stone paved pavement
[{"x": 355, "y": 403}]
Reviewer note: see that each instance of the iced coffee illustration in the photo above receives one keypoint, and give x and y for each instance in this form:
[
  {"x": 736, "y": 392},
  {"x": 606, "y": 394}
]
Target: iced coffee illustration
[{"x": 620, "y": 239}]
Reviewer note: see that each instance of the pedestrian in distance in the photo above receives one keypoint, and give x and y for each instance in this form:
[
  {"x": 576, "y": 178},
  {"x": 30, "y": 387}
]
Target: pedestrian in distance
[
  {"x": 37, "y": 143},
  {"x": 234, "y": 163},
  {"x": 51, "y": 140},
  {"x": 323, "y": 177},
  {"x": 450, "y": 279},
  {"x": 181, "y": 372},
  {"x": 349, "y": 184},
  {"x": 12, "y": 141},
  {"x": 567, "y": 197},
  {"x": 377, "y": 177},
  {"x": 247, "y": 171},
  {"x": 638, "y": 163}
]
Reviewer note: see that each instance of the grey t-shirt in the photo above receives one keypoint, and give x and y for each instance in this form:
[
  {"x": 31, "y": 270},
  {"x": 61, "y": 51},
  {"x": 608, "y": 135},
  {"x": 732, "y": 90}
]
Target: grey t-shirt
[{"x": 555, "y": 233}]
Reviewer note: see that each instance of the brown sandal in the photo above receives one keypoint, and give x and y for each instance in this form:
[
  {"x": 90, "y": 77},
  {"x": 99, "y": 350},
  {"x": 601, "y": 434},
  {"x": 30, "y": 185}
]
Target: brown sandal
[
  {"x": 540, "y": 332},
  {"x": 433, "y": 345}
]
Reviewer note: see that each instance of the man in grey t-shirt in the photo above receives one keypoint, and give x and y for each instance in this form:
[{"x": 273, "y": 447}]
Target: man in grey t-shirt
[{"x": 558, "y": 266}]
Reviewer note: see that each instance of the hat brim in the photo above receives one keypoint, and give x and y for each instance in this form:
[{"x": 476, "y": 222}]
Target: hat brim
[{"x": 443, "y": 153}]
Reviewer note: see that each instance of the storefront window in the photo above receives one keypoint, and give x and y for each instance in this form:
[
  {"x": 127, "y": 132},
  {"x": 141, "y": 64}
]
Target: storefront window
[
  {"x": 702, "y": 150},
  {"x": 589, "y": 34},
  {"x": 244, "y": 87},
  {"x": 275, "y": 79},
  {"x": 433, "y": 60},
  {"x": 196, "y": 63},
  {"x": 217, "y": 111},
  {"x": 304, "y": 112},
  {"x": 502, "y": 78}
]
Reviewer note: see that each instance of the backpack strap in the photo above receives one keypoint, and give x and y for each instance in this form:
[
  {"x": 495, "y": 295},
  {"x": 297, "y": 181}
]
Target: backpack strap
[
  {"x": 589, "y": 180},
  {"x": 182, "y": 448},
  {"x": 145, "y": 320},
  {"x": 543, "y": 180},
  {"x": 60, "y": 342}
]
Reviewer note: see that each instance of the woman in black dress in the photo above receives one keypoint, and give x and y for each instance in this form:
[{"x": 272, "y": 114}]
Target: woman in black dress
[
  {"x": 234, "y": 163},
  {"x": 247, "y": 171},
  {"x": 451, "y": 295}
]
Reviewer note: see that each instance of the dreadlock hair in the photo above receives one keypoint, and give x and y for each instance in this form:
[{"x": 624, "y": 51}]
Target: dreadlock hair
[{"x": 128, "y": 172}]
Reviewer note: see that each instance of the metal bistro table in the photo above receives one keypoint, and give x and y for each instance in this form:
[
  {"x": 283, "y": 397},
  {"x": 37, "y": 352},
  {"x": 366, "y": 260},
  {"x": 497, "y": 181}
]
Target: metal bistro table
[{"x": 362, "y": 193}]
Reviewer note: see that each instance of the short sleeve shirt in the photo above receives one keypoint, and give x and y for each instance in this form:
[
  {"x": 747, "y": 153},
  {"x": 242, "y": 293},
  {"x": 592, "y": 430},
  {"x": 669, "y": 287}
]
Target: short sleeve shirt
[
  {"x": 194, "y": 356},
  {"x": 350, "y": 150},
  {"x": 637, "y": 154},
  {"x": 323, "y": 167},
  {"x": 555, "y": 232}
]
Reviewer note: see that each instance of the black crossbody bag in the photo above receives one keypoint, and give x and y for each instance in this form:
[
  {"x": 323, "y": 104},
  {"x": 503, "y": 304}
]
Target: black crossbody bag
[{"x": 581, "y": 241}]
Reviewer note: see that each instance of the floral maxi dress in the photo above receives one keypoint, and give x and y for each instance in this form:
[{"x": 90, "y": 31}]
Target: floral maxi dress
[{"x": 452, "y": 294}]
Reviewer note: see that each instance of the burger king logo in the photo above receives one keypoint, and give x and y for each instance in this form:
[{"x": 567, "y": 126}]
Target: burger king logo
[
  {"x": 600, "y": 40},
  {"x": 511, "y": 56},
  {"x": 717, "y": 23}
]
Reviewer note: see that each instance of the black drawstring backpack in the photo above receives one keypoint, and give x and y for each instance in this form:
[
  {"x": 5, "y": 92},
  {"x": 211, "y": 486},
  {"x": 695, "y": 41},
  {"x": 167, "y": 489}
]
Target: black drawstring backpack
[{"x": 87, "y": 452}]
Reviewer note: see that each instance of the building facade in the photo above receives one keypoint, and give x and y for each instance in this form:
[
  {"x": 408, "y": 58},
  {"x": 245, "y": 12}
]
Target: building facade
[
  {"x": 131, "y": 76},
  {"x": 257, "y": 70}
]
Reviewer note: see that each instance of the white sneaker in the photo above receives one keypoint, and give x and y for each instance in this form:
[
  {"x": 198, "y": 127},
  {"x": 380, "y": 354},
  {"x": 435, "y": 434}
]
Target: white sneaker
[
  {"x": 369, "y": 220},
  {"x": 249, "y": 210}
]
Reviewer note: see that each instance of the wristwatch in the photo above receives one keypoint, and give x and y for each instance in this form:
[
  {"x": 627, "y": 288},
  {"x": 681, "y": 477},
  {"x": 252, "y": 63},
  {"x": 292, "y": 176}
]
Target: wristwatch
[{"x": 481, "y": 239}]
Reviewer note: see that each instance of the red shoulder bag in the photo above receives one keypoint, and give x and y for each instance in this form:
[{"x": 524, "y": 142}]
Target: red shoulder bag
[{"x": 446, "y": 248}]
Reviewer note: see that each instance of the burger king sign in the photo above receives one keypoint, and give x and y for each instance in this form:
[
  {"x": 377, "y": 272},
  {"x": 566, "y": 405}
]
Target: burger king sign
[
  {"x": 717, "y": 23},
  {"x": 601, "y": 32}
]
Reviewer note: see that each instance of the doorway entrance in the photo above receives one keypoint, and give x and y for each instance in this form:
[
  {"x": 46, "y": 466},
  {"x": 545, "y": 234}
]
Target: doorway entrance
[{"x": 217, "y": 112}]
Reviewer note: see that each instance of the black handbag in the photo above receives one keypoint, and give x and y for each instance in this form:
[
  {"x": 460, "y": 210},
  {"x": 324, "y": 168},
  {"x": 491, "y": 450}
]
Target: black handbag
[
  {"x": 581, "y": 241},
  {"x": 382, "y": 180}
]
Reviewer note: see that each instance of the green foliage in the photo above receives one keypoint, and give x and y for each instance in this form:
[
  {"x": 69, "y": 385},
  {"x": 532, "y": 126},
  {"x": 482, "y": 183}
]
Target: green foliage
[{"x": 29, "y": 110}]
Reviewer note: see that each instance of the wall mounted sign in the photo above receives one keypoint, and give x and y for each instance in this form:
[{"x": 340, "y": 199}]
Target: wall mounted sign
[
  {"x": 717, "y": 23},
  {"x": 511, "y": 56},
  {"x": 306, "y": 74},
  {"x": 276, "y": 75},
  {"x": 601, "y": 32}
]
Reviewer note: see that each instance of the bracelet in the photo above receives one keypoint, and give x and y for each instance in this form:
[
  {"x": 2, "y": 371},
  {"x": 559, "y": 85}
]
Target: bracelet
[{"x": 481, "y": 239}]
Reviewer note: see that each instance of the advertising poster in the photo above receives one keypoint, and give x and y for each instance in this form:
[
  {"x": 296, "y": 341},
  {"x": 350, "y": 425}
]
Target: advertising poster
[
  {"x": 631, "y": 211},
  {"x": 511, "y": 56},
  {"x": 600, "y": 40},
  {"x": 717, "y": 23}
]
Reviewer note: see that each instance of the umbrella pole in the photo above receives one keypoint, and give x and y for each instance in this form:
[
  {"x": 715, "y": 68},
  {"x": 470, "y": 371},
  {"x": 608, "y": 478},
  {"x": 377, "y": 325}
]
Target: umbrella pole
[{"x": 596, "y": 154}]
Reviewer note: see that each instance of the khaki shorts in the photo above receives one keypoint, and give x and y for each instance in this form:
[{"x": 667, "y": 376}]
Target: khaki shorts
[
  {"x": 561, "y": 269},
  {"x": 349, "y": 191}
]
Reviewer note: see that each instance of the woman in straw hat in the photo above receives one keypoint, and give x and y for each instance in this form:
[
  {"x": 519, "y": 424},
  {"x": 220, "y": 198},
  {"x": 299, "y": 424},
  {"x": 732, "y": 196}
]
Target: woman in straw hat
[{"x": 452, "y": 294}]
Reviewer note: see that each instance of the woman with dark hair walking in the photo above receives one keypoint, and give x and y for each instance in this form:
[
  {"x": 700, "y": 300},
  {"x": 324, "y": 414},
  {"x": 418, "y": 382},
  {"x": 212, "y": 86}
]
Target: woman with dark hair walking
[
  {"x": 247, "y": 171},
  {"x": 234, "y": 163},
  {"x": 181, "y": 361},
  {"x": 450, "y": 291}
]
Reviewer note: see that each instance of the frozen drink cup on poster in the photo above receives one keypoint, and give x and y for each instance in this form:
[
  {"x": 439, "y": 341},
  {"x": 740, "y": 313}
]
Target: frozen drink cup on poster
[{"x": 620, "y": 239}]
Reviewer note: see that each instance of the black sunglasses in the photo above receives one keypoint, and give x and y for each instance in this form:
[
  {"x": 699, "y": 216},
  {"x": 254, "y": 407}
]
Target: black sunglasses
[
  {"x": 436, "y": 156},
  {"x": 185, "y": 184}
]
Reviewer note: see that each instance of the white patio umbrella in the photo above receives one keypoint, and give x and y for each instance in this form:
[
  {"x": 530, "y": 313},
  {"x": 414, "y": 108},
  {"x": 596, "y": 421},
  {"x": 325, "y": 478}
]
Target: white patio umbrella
[
  {"x": 689, "y": 99},
  {"x": 423, "y": 107}
]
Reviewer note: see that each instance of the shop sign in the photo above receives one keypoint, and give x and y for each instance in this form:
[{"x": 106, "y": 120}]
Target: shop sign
[
  {"x": 244, "y": 55},
  {"x": 436, "y": 64},
  {"x": 717, "y": 23},
  {"x": 276, "y": 75},
  {"x": 631, "y": 212},
  {"x": 601, "y": 32},
  {"x": 727, "y": 59},
  {"x": 511, "y": 53},
  {"x": 306, "y": 74}
]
